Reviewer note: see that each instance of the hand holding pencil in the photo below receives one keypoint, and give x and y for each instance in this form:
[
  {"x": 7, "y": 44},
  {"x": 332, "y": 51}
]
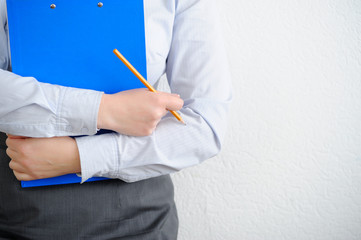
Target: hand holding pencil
[{"x": 142, "y": 79}]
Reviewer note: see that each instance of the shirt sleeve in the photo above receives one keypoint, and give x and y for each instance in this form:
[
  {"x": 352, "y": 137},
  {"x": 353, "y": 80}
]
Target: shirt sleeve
[
  {"x": 197, "y": 70},
  {"x": 35, "y": 109}
]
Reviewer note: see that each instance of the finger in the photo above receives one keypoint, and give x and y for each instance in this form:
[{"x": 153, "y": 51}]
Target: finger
[
  {"x": 174, "y": 103},
  {"x": 13, "y": 143},
  {"x": 16, "y": 166},
  {"x": 169, "y": 94},
  {"x": 11, "y": 153},
  {"x": 22, "y": 176}
]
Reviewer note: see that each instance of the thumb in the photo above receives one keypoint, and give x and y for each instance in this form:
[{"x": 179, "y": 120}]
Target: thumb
[{"x": 174, "y": 103}]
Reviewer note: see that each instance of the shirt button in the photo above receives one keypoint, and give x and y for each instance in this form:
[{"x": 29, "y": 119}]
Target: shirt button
[{"x": 68, "y": 128}]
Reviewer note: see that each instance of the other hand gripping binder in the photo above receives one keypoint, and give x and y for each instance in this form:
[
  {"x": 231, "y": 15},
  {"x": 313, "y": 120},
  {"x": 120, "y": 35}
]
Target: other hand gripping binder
[{"x": 70, "y": 43}]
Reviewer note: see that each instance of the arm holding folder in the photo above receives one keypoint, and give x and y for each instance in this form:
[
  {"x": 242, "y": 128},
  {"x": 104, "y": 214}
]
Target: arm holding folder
[
  {"x": 133, "y": 112},
  {"x": 77, "y": 62},
  {"x": 201, "y": 79},
  {"x": 145, "y": 120}
]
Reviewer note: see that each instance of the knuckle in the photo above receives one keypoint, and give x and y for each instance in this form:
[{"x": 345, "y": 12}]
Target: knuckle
[
  {"x": 10, "y": 143},
  {"x": 17, "y": 175},
  {"x": 11, "y": 164},
  {"x": 24, "y": 149},
  {"x": 157, "y": 114},
  {"x": 153, "y": 116},
  {"x": 154, "y": 125},
  {"x": 8, "y": 152},
  {"x": 147, "y": 131},
  {"x": 151, "y": 127},
  {"x": 141, "y": 131},
  {"x": 158, "y": 100}
]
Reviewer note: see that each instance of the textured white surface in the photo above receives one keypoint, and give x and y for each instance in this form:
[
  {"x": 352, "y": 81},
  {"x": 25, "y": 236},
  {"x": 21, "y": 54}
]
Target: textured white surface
[{"x": 291, "y": 164}]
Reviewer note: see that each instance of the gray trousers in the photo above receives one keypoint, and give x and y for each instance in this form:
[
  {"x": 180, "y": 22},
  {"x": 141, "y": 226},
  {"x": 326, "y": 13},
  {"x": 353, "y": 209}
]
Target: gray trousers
[{"x": 110, "y": 209}]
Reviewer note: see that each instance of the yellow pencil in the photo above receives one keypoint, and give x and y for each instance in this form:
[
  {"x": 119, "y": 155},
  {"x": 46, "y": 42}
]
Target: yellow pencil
[{"x": 142, "y": 79}]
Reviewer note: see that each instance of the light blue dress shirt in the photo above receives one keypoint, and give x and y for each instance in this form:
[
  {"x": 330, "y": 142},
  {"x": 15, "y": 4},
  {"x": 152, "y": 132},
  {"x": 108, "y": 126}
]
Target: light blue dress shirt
[{"x": 184, "y": 41}]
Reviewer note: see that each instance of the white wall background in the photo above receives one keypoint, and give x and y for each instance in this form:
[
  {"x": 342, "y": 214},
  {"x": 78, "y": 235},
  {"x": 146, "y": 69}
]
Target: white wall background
[{"x": 291, "y": 165}]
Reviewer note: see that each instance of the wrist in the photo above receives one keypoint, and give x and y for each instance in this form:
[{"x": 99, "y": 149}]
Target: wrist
[
  {"x": 75, "y": 166},
  {"x": 103, "y": 113}
]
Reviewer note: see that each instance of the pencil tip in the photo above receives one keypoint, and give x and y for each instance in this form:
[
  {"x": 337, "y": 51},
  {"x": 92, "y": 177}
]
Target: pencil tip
[{"x": 183, "y": 122}]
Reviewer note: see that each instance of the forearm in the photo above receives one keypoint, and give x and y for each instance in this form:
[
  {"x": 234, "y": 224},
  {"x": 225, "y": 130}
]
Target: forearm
[
  {"x": 35, "y": 158},
  {"x": 196, "y": 69},
  {"x": 35, "y": 109},
  {"x": 172, "y": 146}
]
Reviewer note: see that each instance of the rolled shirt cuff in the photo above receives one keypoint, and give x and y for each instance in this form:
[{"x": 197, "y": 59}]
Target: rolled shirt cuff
[
  {"x": 80, "y": 109},
  {"x": 98, "y": 156}
]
